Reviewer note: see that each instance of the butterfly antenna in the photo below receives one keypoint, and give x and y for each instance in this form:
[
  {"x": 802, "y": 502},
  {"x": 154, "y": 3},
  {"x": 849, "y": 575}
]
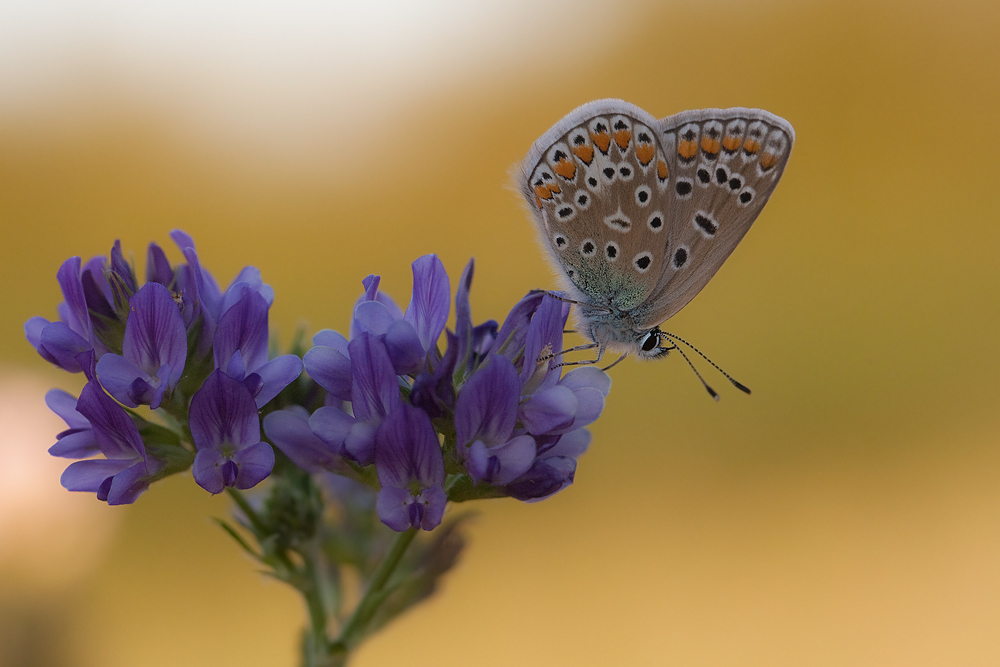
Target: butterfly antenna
[
  {"x": 711, "y": 392},
  {"x": 672, "y": 338}
]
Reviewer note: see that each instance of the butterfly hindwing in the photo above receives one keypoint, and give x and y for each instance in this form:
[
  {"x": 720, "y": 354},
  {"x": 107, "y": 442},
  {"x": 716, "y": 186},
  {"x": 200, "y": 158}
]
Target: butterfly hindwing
[{"x": 725, "y": 163}]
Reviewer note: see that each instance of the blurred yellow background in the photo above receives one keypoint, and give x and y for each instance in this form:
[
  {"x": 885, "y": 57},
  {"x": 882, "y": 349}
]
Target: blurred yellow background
[{"x": 848, "y": 512}]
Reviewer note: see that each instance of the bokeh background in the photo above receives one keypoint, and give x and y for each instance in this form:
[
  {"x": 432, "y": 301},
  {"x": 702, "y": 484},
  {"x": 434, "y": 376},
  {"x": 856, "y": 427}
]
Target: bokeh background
[{"x": 848, "y": 512}]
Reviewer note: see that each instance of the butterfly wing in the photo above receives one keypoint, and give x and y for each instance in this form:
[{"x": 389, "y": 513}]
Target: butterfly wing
[
  {"x": 597, "y": 186},
  {"x": 724, "y": 164}
]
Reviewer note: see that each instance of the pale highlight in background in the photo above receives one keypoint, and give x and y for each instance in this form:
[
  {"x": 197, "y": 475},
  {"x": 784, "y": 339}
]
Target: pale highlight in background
[
  {"x": 48, "y": 536},
  {"x": 297, "y": 79}
]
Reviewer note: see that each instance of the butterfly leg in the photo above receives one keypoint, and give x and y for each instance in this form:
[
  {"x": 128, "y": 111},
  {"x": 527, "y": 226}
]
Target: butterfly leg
[
  {"x": 582, "y": 362},
  {"x": 566, "y": 299},
  {"x": 615, "y": 362},
  {"x": 578, "y": 348}
]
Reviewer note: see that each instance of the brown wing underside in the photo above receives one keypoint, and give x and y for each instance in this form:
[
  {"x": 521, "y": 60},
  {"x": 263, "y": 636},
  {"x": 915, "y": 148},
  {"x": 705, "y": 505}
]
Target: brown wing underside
[{"x": 641, "y": 213}]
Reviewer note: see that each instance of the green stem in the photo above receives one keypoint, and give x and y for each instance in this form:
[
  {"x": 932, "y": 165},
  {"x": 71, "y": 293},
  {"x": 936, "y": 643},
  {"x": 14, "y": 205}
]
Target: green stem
[
  {"x": 354, "y": 629},
  {"x": 316, "y": 642},
  {"x": 251, "y": 515}
]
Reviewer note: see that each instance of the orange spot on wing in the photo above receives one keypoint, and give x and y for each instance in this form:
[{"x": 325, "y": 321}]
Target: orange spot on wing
[
  {"x": 710, "y": 145},
  {"x": 644, "y": 153},
  {"x": 661, "y": 170},
  {"x": 687, "y": 149},
  {"x": 554, "y": 188},
  {"x": 731, "y": 143},
  {"x": 543, "y": 192},
  {"x": 565, "y": 168},
  {"x": 751, "y": 146},
  {"x": 602, "y": 141},
  {"x": 584, "y": 152},
  {"x": 622, "y": 138},
  {"x": 768, "y": 160}
]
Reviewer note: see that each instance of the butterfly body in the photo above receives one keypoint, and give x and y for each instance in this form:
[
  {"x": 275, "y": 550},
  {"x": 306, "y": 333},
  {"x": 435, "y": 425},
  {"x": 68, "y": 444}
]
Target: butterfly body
[{"x": 638, "y": 213}]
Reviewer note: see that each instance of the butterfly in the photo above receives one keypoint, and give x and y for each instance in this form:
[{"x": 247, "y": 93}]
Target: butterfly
[{"x": 638, "y": 214}]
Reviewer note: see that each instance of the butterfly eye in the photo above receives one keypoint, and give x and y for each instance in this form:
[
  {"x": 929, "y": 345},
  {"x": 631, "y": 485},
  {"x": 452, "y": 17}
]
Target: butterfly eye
[{"x": 650, "y": 341}]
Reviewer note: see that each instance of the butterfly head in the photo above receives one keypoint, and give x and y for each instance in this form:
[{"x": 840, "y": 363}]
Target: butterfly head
[{"x": 648, "y": 344}]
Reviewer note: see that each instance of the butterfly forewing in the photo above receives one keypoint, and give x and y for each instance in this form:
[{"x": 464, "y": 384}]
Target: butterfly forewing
[
  {"x": 725, "y": 163},
  {"x": 597, "y": 184}
]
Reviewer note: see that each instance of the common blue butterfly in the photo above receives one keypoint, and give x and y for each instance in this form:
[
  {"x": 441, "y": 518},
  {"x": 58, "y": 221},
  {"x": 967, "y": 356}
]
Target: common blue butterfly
[{"x": 638, "y": 214}]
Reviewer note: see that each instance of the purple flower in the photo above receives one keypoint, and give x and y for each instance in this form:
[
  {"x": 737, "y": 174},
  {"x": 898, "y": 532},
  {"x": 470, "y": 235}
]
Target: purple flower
[
  {"x": 374, "y": 394},
  {"x": 158, "y": 267},
  {"x": 79, "y": 441},
  {"x": 241, "y": 349},
  {"x": 60, "y": 342},
  {"x": 125, "y": 472},
  {"x": 411, "y": 470},
  {"x": 203, "y": 303},
  {"x": 542, "y": 342},
  {"x": 545, "y": 478},
  {"x": 411, "y": 336},
  {"x": 226, "y": 430},
  {"x": 291, "y": 431},
  {"x": 485, "y": 417},
  {"x": 473, "y": 341},
  {"x": 574, "y": 402},
  {"x": 434, "y": 392},
  {"x": 328, "y": 362},
  {"x": 523, "y": 430},
  {"x": 154, "y": 350}
]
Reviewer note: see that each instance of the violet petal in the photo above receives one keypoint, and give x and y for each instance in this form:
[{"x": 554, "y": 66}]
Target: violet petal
[
  {"x": 501, "y": 464},
  {"x": 207, "y": 470},
  {"x": 545, "y": 478},
  {"x": 375, "y": 388},
  {"x": 587, "y": 376},
  {"x": 332, "y": 426},
  {"x": 486, "y": 407},
  {"x": 115, "y": 432},
  {"x": 435, "y": 501},
  {"x": 154, "y": 333},
  {"x": 255, "y": 464},
  {"x": 76, "y": 316},
  {"x": 370, "y": 316},
  {"x": 407, "y": 449},
  {"x": 590, "y": 403},
  {"x": 545, "y": 333},
  {"x": 118, "y": 376},
  {"x": 128, "y": 485},
  {"x": 331, "y": 338},
  {"x": 243, "y": 327},
  {"x": 158, "y": 267},
  {"x": 61, "y": 346},
  {"x": 76, "y": 444},
  {"x": 63, "y": 404},
  {"x": 404, "y": 348},
  {"x": 463, "y": 319},
  {"x": 89, "y": 475},
  {"x": 392, "y": 507},
  {"x": 223, "y": 413},
  {"x": 511, "y": 337},
  {"x": 571, "y": 444},
  {"x": 429, "y": 304},
  {"x": 360, "y": 443},
  {"x": 290, "y": 432},
  {"x": 275, "y": 375},
  {"x": 330, "y": 369},
  {"x": 549, "y": 410}
]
